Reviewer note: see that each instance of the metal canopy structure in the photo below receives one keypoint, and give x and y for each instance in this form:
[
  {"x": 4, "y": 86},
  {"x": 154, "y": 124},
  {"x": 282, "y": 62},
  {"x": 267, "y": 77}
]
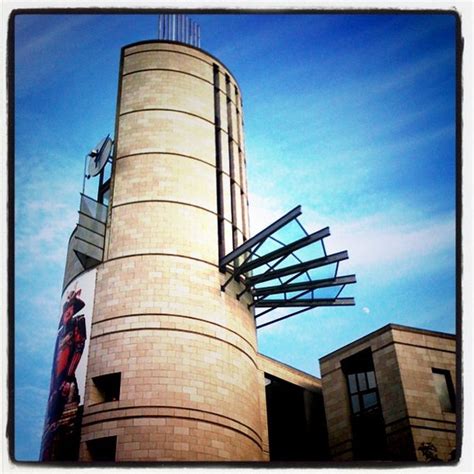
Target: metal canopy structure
[{"x": 285, "y": 267}]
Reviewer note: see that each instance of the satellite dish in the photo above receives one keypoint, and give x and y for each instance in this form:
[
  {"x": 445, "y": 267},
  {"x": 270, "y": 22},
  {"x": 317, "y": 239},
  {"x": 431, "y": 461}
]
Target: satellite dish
[{"x": 99, "y": 156}]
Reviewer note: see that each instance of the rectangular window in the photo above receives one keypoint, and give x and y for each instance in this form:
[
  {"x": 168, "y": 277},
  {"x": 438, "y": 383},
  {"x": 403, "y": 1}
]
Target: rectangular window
[
  {"x": 444, "y": 389},
  {"x": 103, "y": 449},
  {"x": 218, "y": 145},
  {"x": 107, "y": 387},
  {"x": 361, "y": 382},
  {"x": 369, "y": 441},
  {"x": 230, "y": 135},
  {"x": 363, "y": 391}
]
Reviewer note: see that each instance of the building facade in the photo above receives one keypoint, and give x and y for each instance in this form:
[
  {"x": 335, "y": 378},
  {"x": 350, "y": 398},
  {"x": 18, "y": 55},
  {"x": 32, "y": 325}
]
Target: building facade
[{"x": 390, "y": 396}]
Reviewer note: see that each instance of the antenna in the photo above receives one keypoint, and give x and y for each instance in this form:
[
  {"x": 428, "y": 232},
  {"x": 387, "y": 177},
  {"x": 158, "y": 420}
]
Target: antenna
[
  {"x": 176, "y": 27},
  {"x": 99, "y": 156}
]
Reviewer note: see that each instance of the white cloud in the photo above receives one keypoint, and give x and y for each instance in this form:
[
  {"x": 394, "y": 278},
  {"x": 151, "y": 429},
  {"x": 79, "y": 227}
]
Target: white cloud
[
  {"x": 41, "y": 235},
  {"x": 392, "y": 243},
  {"x": 366, "y": 310}
]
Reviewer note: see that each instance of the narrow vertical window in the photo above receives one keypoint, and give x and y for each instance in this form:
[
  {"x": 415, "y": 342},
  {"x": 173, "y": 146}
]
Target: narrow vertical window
[
  {"x": 444, "y": 389},
  {"x": 230, "y": 139},
  {"x": 241, "y": 164},
  {"x": 369, "y": 441},
  {"x": 217, "y": 134}
]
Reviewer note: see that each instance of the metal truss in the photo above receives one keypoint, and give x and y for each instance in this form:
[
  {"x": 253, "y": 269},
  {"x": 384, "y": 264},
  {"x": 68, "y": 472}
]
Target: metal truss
[{"x": 281, "y": 277}]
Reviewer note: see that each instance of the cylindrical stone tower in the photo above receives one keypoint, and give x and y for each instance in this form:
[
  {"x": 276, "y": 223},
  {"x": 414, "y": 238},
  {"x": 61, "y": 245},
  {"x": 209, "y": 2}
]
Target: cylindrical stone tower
[{"x": 172, "y": 372}]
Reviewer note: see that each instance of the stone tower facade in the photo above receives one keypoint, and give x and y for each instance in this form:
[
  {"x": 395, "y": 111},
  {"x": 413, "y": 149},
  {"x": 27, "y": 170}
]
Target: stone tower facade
[{"x": 172, "y": 370}]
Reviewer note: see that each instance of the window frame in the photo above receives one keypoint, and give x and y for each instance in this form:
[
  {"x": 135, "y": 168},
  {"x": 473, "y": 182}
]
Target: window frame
[
  {"x": 101, "y": 387},
  {"x": 360, "y": 392},
  {"x": 449, "y": 389}
]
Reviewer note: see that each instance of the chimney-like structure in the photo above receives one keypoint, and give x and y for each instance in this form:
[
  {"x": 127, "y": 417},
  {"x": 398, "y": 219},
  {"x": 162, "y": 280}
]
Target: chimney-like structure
[{"x": 172, "y": 368}]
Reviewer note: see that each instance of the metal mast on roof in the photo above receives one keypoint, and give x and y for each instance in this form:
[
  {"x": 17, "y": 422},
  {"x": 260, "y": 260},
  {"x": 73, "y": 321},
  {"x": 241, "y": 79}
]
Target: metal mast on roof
[{"x": 175, "y": 27}]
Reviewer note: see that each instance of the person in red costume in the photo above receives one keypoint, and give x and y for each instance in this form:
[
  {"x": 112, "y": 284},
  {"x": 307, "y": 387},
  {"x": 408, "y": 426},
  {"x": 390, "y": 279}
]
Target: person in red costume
[{"x": 69, "y": 347}]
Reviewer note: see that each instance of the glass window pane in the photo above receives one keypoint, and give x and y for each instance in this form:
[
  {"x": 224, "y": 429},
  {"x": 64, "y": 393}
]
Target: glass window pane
[
  {"x": 369, "y": 399},
  {"x": 228, "y": 237},
  {"x": 371, "y": 379},
  {"x": 441, "y": 387},
  {"x": 362, "y": 382},
  {"x": 355, "y": 404},
  {"x": 226, "y": 197},
  {"x": 352, "y": 383}
]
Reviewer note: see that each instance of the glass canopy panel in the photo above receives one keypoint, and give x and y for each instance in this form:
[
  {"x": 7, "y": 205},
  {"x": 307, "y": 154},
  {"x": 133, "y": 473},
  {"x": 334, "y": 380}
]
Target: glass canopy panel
[
  {"x": 266, "y": 284},
  {"x": 329, "y": 292},
  {"x": 258, "y": 271},
  {"x": 299, "y": 295},
  {"x": 310, "y": 252},
  {"x": 287, "y": 270},
  {"x": 290, "y": 260},
  {"x": 321, "y": 273},
  {"x": 301, "y": 278},
  {"x": 289, "y": 233},
  {"x": 269, "y": 245}
]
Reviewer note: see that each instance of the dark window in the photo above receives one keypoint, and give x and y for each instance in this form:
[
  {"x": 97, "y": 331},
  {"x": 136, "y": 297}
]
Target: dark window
[
  {"x": 107, "y": 387},
  {"x": 368, "y": 427},
  {"x": 444, "y": 389},
  {"x": 363, "y": 391},
  {"x": 103, "y": 449},
  {"x": 219, "y": 171}
]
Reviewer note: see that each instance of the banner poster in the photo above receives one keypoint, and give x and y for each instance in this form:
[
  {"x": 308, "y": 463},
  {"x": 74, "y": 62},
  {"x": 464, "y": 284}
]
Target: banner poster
[{"x": 68, "y": 376}]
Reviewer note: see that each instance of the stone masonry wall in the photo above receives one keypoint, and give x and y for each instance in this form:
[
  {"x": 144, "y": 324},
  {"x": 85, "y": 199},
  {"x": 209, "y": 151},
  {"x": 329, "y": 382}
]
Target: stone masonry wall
[
  {"x": 403, "y": 362},
  {"x": 190, "y": 385}
]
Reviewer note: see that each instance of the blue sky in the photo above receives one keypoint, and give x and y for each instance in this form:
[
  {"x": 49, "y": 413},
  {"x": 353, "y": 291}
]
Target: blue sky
[{"x": 351, "y": 116}]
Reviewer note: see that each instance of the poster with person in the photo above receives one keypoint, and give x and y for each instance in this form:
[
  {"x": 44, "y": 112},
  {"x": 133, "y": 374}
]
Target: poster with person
[{"x": 67, "y": 386}]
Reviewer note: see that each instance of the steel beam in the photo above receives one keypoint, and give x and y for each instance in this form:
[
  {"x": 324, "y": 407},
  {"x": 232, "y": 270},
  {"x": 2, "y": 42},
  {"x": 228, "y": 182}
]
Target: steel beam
[
  {"x": 248, "y": 244},
  {"x": 298, "y": 268},
  {"x": 286, "y": 250},
  {"x": 304, "y": 285},
  {"x": 313, "y": 303},
  {"x": 283, "y": 317}
]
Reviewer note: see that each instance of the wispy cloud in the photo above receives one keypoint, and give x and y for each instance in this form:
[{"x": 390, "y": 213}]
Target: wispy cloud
[
  {"x": 37, "y": 38},
  {"x": 41, "y": 47},
  {"x": 402, "y": 242},
  {"x": 400, "y": 239},
  {"x": 41, "y": 239}
]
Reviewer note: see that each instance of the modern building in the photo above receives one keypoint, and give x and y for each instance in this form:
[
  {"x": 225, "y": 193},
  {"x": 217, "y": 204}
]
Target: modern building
[
  {"x": 390, "y": 396},
  {"x": 164, "y": 290}
]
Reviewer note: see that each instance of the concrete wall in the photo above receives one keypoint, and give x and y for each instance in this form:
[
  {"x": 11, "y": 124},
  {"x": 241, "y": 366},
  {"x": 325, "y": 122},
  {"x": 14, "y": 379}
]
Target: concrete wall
[
  {"x": 190, "y": 386},
  {"x": 403, "y": 362}
]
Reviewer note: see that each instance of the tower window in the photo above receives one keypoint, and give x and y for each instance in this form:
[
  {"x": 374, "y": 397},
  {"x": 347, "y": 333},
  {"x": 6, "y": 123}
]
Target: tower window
[
  {"x": 102, "y": 449},
  {"x": 444, "y": 389},
  {"x": 106, "y": 387}
]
